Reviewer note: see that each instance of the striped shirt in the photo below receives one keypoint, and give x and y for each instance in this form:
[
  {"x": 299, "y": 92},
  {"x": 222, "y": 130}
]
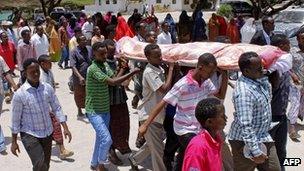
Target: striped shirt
[
  {"x": 31, "y": 110},
  {"x": 252, "y": 117},
  {"x": 185, "y": 94},
  {"x": 25, "y": 51},
  {"x": 97, "y": 89}
]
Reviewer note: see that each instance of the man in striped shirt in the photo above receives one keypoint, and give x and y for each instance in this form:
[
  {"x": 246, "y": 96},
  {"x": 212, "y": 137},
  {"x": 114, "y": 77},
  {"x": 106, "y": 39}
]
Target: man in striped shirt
[
  {"x": 31, "y": 117},
  {"x": 185, "y": 94},
  {"x": 97, "y": 104}
]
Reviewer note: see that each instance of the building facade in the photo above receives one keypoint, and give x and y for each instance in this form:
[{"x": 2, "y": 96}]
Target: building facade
[{"x": 129, "y": 5}]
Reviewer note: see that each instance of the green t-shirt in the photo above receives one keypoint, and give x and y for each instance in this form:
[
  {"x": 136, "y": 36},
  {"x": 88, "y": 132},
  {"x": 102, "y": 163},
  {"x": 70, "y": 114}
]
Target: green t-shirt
[{"x": 97, "y": 91}]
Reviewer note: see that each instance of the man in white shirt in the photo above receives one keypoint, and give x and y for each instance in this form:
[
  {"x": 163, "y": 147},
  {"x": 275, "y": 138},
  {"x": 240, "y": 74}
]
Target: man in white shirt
[
  {"x": 262, "y": 37},
  {"x": 165, "y": 36},
  {"x": 87, "y": 28},
  {"x": 40, "y": 42}
]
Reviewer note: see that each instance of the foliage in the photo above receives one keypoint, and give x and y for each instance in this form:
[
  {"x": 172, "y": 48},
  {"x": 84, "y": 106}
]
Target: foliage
[
  {"x": 225, "y": 10},
  {"x": 266, "y": 7}
]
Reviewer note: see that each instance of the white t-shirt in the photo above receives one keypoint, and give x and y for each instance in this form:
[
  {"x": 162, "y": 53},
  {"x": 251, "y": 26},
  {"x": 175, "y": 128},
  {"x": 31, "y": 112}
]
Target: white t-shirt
[
  {"x": 164, "y": 38},
  {"x": 41, "y": 44}
]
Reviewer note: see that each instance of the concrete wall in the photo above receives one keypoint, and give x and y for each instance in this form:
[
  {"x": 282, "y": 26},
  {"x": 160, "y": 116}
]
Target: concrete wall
[{"x": 100, "y": 5}]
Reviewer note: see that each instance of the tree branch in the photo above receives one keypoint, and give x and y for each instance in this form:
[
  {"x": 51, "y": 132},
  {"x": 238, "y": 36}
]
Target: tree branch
[
  {"x": 57, "y": 2},
  {"x": 276, "y": 10},
  {"x": 269, "y": 5}
]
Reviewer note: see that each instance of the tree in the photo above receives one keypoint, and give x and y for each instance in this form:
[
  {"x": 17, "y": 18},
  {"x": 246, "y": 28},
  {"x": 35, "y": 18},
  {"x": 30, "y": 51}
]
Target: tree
[
  {"x": 261, "y": 7},
  {"x": 266, "y": 8},
  {"x": 49, "y": 5}
]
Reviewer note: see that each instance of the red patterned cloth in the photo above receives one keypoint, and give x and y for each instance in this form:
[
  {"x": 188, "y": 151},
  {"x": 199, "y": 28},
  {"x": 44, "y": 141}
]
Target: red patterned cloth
[{"x": 57, "y": 133}]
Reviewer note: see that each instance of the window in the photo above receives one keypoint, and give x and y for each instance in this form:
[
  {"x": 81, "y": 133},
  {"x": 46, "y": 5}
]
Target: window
[
  {"x": 114, "y": 1},
  {"x": 173, "y": 1},
  {"x": 107, "y": 1},
  {"x": 158, "y": 1},
  {"x": 186, "y": 2}
]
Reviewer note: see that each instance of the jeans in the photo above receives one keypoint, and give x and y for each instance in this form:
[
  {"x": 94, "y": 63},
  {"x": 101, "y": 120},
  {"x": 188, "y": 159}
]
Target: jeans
[
  {"x": 103, "y": 142},
  {"x": 64, "y": 56},
  {"x": 39, "y": 150},
  {"x": 2, "y": 139}
]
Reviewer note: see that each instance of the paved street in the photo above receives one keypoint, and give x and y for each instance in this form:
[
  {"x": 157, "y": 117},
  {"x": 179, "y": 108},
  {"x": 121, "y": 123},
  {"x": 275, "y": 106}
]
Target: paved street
[{"x": 83, "y": 136}]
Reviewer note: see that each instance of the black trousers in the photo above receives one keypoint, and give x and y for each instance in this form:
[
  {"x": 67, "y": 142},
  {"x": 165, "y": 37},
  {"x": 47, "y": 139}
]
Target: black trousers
[
  {"x": 172, "y": 143},
  {"x": 279, "y": 135},
  {"x": 183, "y": 140},
  {"x": 39, "y": 151}
]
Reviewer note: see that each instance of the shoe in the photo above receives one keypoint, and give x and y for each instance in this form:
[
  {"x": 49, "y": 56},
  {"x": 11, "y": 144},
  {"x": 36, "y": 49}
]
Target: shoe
[
  {"x": 300, "y": 117},
  {"x": 60, "y": 66},
  {"x": 81, "y": 115},
  {"x": 93, "y": 168},
  {"x": 294, "y": 135},
  {"x": 133, "y": 163},
  {"x": 3, "y": 152},
  {"x": 115, "y": 160},
  {"x": 8, "y": 100},
  {"x": 65, "y": 154}
]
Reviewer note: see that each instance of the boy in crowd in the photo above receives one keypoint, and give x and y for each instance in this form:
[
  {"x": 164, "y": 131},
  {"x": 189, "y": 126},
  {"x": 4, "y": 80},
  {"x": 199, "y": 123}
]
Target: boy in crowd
[
  {"x": 204, "y": 150},
  {"x": 4, "y": 70},
  {"x": 155, "y": 86},
  {"x": 97, "y": 103},
  {"x": 31, "y": 117},
  {"x": 164, "y": 37},
  {"x": 185, "y": 94},
  {"x": 25, "y": 50},
  {"x": 48, "y": 77}
]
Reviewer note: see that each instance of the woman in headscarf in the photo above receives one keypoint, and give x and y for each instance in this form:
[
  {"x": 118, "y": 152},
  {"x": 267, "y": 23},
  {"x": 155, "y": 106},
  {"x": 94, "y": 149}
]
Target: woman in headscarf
[
  {"x": 108, "y": 17},
  {"x": 114, "y": 20},
  {"x": 122, "y": 29},
  {"x": 233, "y": 32},
  {"x": 101, "y": 23},
  {"x": 184, "y": 28},
  {"x": 72, "y": 25},
  {"x": 81, "y": 20},
  {"x": 172, "y": 25},
  {"x": 54, "y": 48},
  {"x": 213, "y": 27},
  {"x": 199, "y": 28},
  {"x": 222, "y": 26}
]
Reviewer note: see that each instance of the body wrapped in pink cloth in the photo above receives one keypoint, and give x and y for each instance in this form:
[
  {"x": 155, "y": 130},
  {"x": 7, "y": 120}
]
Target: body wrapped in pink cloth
[{"x": 227, "y": 55}]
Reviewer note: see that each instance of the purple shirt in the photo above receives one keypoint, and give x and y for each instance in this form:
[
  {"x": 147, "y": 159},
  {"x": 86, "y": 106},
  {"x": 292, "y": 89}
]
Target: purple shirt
[{"x": 25, "y": 51}]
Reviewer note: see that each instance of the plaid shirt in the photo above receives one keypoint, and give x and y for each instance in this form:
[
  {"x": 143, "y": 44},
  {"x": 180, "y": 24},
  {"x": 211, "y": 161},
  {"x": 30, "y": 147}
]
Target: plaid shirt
[
  {"x": 31, "y": 110},
  {"x": 252, "y": 117}
]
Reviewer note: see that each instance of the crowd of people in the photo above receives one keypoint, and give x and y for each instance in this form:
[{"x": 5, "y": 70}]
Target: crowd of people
[{"x": 180, "y": 109}]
